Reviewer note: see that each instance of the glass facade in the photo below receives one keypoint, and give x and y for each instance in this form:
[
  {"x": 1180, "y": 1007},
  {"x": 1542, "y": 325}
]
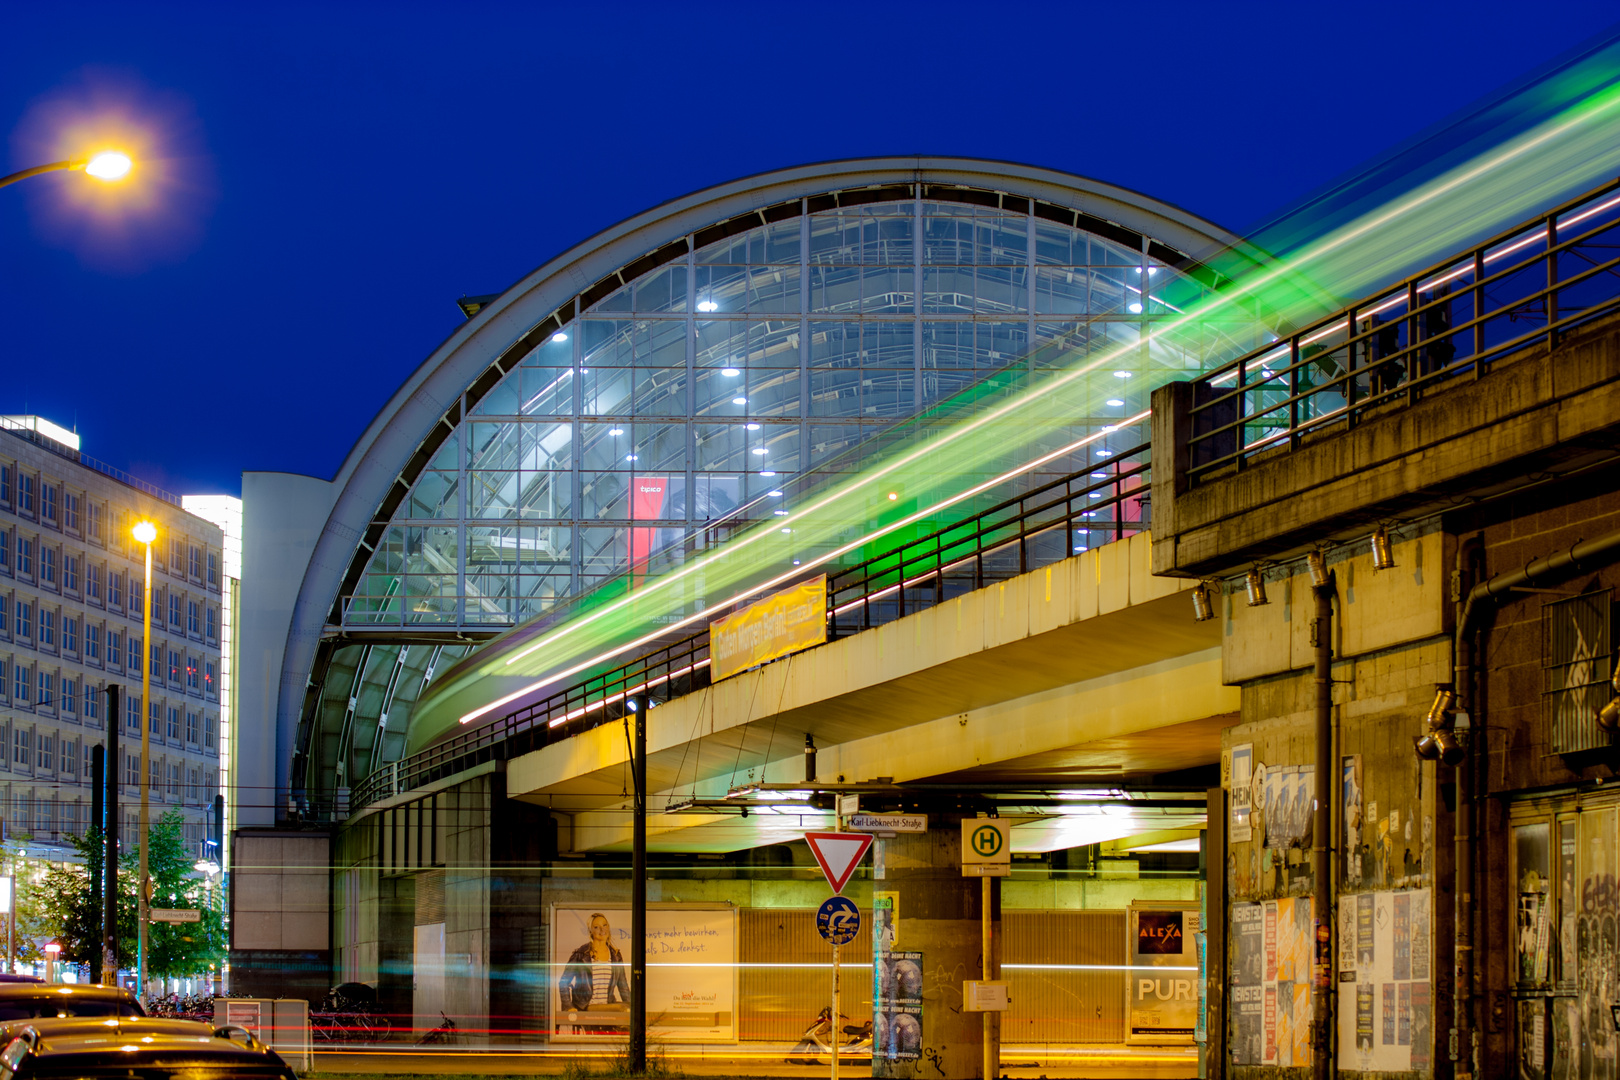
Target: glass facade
[{"x": 711, "y": 381}]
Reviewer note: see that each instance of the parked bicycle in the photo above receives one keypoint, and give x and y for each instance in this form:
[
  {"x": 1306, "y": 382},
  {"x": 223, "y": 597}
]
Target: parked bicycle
[
  {"x": 443, "y": 1035},
  {"x": 348, "y": 1014}
]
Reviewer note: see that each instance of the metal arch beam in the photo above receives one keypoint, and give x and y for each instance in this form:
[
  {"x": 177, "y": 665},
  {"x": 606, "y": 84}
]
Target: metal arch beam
[{"x": 432, "y": 402}]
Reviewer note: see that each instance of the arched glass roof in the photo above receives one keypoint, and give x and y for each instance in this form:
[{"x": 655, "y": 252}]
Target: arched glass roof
[{"x": 702, "y": 377}]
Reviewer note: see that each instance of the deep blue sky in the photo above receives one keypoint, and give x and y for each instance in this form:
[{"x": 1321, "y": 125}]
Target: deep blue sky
[{"x": 332, "y": 177}]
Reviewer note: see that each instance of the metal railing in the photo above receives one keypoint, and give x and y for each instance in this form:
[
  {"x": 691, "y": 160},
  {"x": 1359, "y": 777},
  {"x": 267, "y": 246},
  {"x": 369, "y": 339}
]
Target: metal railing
[
  {"x": 23, "y": 431},
  {"x": 1046, "y": 524},
  {"x": 1535, "y": 282}
]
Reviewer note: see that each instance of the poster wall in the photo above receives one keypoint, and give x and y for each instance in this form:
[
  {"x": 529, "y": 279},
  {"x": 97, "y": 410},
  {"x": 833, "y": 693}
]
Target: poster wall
[
  {"x": 691, "y": 972},
  {"x": 1385, "y": 944},
  {"x": 1161, "y": 992},
  {"x": 897, "y": 1020},
  {"x": 1273, "y": 945}
]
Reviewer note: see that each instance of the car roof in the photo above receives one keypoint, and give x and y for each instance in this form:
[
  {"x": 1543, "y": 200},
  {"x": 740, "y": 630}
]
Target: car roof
[
  {"x": 137, "y": 1042},
  {"x": 56, "y": 1027},
  {"x": 90, "y": 991}
]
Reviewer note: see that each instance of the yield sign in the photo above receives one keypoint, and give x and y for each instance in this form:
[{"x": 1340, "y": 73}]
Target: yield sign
[{"x": 838, "y": 853}]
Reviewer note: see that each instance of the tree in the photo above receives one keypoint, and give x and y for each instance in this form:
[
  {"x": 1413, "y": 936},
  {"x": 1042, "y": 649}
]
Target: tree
[{"x": 68, "y": 912}]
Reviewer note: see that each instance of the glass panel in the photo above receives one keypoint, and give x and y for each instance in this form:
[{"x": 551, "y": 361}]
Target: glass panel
[
  {"x": 604, "y": 391},
  {"x": 546, "y": 494},
  {"x": 435, "y": 495},
  {"x": 548, "y": 446},
  {"x": 546, "y": 391},
  {"x": 604, "y": 495},
  {"x": 1530, "y": 867},
  {"x": 662, "y": 290}
]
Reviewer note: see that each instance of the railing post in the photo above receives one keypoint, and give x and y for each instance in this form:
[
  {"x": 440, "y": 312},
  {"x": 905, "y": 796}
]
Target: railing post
[
  {"x": 1411, "y": 341},
  {"x": 1552, "y": 281},
  {"x": 1293, "y": 391},
  {"x": 1479, "y": 312},
  {"x": 1350, "y": 368}
]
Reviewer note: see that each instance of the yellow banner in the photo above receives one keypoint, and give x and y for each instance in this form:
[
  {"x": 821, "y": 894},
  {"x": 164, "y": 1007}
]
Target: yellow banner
[{"x": 782, "y": 623}]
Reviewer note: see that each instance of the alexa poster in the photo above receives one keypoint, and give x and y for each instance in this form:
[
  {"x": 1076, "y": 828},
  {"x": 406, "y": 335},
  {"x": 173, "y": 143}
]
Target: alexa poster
[{"x": 691, "y": 972}]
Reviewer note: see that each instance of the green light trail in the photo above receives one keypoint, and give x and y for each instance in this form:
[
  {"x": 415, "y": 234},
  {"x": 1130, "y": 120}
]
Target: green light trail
[{"x": 1012, "y": 425}]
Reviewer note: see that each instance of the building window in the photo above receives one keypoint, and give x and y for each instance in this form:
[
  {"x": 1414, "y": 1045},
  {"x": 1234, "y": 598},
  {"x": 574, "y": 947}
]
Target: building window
[
  {"x": 70, "y": 695},
  {"x": 92, "y": 698},
  {"x": 5, "y": 549},
  {"x": 70, "y": 573},
  {"x": 25, "y": 493},
  {"x": 22, "y": 747},
  {"x": 137, "y": 597},
  {"x": 193, "y": 623},
  {"x": 176, "y": 558},
  {"x": 132, "y": 714},
  {"x": 115, "y": 588},
  {"x": 213, "y": 620},
  {"x": 174, "y": 780},
  {"x": 19, "y": 685},
  {"x": 174, "y": 611},
  {"x": 47, "y": 687},
  {"x": 47, "y": 500},
  {"x": 92, "y": 581},
  {"x": 47, "y": 627},
  {"x": 191, "y": 674},
  {"x": 70, "y": 757},
  {"x": 89, "y": 761},
  {"x": 195, "y": 567},
  {"x": 4, "y": 686},
  {"x": 209, "y": 724},
  {"x": 92, "y": 642},
  {"x": 25, "y": 620},
  {"x": 47, "y": 564},
  {"x": 213, "y": 569},
  {"x": 25, "y": 555},
  {"x": 132, "y": 772},
  {"x": 193, "y": 728},
  {"x": 154, "y": 719},
  {"x": 115, "y": 642},
  {"x": 174, "y": 668},
  {"x": 45, "y": 753},
  {"x": 93, "y": 520},
  {"x": 5, "y": 483},
  {"x": 5, "y": 610},
  {"x": 70, "y": 508},
  {"x": 174, "y": 723},
  {"x": 208, "y": 677},
  {"x": 154, "y": 660},
  {"x": 70, "y": 635}
]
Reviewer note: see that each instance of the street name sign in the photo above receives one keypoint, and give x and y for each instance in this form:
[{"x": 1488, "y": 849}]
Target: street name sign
[
  {"x": 887, "y": 823},
  {"x": 176, "y": 915},
  {"x": 838, "y": 854}
]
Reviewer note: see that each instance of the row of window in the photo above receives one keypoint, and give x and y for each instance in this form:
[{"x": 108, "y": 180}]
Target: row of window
[
  {"x": 71, "y": 699},
  {"x": 82, "y": 515},
  {"x": 69, "y": 757},
  {"x": 27, "y": 623},
  {"x": 47, "y": 817},
  {"x": 65, "y": 571}
]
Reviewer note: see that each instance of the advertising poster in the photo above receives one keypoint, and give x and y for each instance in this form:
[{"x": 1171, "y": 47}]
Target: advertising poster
[
  {"x": 691, "y": 972},
  {"x": 1384, "y": 1020},
  {"x": 784, "y": 622},
  {"x": 885, "y": 921},
  {"x": 1161, "y": 995},
  {"x": 1242, "y": 777},
  {"x": 897, "y": 1020},
  {"x": 1274, "y": 948}
]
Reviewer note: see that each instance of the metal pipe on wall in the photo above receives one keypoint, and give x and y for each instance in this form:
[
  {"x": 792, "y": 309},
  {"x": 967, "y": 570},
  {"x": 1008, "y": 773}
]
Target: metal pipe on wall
[{"x": 1321, "y": 824}]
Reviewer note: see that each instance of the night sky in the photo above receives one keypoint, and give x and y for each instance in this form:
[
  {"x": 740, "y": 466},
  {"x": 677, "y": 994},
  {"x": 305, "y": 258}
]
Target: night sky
[{"x": 319, "y": 183}]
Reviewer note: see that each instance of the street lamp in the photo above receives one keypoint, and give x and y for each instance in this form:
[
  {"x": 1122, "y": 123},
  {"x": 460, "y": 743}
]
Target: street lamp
[
  {"x": 145, "y": 532},
  {"x": 108, "y": 165}
]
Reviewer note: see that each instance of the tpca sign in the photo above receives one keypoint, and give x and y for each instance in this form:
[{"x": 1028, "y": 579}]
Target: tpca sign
[{"x": 986, "y": 847}]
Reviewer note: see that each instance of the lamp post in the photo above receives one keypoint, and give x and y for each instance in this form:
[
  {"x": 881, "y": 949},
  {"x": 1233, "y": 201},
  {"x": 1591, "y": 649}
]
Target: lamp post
[
  {"x": 108, "y": 165},
  {"x": 145, "y": 532}
]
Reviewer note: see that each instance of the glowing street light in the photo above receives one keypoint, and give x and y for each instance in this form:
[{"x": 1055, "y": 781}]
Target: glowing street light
[
  {"x": 145, "y": 532},
  {"x": 108, "y": 165}
]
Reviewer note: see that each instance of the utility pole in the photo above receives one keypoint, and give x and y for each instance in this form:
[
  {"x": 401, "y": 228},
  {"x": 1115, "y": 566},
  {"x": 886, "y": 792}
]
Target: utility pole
[
  {"x": 109, "y": 857},
  {"x": 638, "y": 892},
  {"x": 98, "y": 807}
]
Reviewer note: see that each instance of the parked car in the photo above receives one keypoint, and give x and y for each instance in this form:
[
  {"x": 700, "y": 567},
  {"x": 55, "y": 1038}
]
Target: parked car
[
  {"x": 76, "y": 1048},
  {"x": 29, "y": 1001}
]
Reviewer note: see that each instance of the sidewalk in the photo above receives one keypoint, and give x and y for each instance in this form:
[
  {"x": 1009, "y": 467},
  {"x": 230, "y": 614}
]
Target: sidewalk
[{"x": 1110, "y": 1062}]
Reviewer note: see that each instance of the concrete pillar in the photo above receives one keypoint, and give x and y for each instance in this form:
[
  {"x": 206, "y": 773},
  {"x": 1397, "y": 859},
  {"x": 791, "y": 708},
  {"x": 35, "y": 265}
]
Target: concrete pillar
[{"x": 939, "y": 914}]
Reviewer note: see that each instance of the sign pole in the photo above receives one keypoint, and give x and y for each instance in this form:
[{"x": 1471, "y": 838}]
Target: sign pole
[
  {"x": 638, "y": 892},
  {"x": 833, "y": 1035},
  {"x": 984, "y": 964}
]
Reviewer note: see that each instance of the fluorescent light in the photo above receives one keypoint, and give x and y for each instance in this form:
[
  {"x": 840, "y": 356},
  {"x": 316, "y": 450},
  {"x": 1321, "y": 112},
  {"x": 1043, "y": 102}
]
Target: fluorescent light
[
  {"x": 629, "y": 457},
  {"x": 1099, "y": 476},
  {"x": 739, "y": 400},
  {"x": 1134, "y": 309},
  {"x": 760, "y": 450},
  {"x": 1122, "y": 374},
  {"x": 767, "y": 472},
  {"x": 1105, "y": 453},
  {"x": 1188, "y": 846},
  {"x": 751, "y": 427},
  {"x": 780, "y": 513},
  {"x": 616, "y": 431},
  {"x": 774, "y": 494},
  {"x": 730, "y": 372},
  {"x": 1115, "y": 402},
  {"x": 559, "y": 336},
  {"x": 708, "y": 305}
]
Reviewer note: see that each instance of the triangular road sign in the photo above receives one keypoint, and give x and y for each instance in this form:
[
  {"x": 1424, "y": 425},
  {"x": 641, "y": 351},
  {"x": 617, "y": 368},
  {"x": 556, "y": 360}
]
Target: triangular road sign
[{"x": 839, "y": 853}]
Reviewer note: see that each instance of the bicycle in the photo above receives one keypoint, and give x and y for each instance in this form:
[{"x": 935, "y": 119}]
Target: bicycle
[{"x": 443, "y": 1035}]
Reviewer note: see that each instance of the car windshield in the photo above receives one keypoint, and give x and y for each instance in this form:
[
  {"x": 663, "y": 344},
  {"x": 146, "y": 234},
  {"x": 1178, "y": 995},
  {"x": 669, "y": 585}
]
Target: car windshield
[{"x": 15, "y": 1007}]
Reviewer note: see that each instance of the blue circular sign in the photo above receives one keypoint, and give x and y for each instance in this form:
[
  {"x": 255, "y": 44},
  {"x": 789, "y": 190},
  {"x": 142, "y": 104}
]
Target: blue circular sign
[{"x": 838, "y": 920}]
